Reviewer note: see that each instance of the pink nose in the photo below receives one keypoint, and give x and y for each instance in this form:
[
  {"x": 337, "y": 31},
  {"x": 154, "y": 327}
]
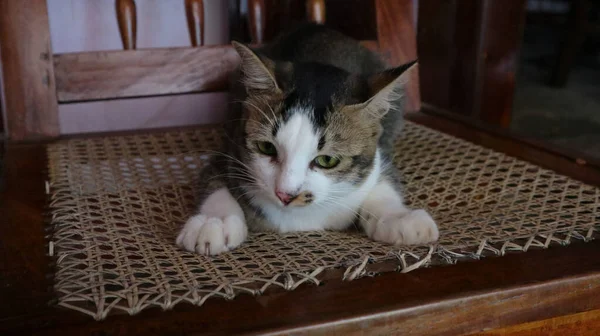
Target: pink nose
[{"x": 284, "y": 197}]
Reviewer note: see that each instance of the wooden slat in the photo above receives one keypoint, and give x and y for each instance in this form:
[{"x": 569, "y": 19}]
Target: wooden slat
[
  {"x": 28, "y": 74},
  {"x": 150, "y": 72},
  {"x": 135, "y": 73}
]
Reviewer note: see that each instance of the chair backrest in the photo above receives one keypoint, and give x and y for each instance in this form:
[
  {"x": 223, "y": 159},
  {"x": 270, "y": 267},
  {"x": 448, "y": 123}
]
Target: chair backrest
[{"x": 36, "y": 81}]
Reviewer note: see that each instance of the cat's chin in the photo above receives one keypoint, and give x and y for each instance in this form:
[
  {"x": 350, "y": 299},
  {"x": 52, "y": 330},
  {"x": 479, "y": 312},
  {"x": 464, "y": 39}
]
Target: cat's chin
[
  {"x": 300, "y": 203},
  {"x": 291, "y": 206}
]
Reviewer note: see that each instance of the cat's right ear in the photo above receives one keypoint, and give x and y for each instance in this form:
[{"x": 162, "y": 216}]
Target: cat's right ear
[
  {"x": 386, "y": 87},
  {"x": 258, "y": 72}
]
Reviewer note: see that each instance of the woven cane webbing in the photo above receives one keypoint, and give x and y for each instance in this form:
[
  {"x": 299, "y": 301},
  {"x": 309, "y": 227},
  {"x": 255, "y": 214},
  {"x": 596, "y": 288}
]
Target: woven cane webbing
[{"x": 117, "y": 204}]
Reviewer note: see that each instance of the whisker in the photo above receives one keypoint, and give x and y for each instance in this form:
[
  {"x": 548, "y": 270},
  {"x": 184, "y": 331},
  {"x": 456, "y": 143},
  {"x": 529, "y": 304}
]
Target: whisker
[
  {"x": 335, "y": 202},
  {"x": 262, "y": 112},
  {"x": 361, "y": 209}
]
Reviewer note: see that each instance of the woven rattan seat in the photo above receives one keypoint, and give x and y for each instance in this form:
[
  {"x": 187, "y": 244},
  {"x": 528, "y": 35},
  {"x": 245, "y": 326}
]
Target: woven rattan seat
[{"x": 117, "y": 203}]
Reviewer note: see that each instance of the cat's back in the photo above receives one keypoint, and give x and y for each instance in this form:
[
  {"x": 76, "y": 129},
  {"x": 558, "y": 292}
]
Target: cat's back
[{"x": 317, "y": 43}]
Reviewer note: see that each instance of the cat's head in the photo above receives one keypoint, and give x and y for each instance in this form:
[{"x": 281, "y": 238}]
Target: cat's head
[{"x": 311, "y": 130}]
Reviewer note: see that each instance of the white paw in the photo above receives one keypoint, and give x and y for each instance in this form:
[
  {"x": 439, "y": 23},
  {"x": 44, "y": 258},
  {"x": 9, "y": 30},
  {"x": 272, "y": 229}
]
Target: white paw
[
  {"x": 408, "y": 228},
  {"x": 212, "y": 235}
]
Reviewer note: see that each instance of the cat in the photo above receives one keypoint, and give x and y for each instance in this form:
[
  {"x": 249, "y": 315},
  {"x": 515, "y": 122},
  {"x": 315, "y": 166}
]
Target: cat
[{"x": 312, "y": 149}]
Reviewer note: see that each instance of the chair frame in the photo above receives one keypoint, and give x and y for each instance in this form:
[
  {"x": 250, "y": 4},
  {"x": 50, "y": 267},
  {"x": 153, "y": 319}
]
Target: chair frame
[{"x": 36, "y": 80}]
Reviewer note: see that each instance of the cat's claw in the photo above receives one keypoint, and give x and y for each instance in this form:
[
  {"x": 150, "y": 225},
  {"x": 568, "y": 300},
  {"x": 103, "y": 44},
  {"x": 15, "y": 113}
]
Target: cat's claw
[
  {"x": 407, "y": 228},
  {"x": 212, "y": 235}
]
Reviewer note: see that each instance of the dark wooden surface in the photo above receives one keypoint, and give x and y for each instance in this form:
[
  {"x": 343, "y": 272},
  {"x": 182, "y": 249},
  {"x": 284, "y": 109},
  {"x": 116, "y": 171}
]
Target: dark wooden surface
[
  {"x": 586, "y": 323},
  {"x": 468, "y": 51},
  {"x": 500, "y": 43},
  {"x": 396, "y": 35},
  {"x": 463, "y": 298},
  {"x": 435, "y": 43},
  {"x": 27, "y": 70}
]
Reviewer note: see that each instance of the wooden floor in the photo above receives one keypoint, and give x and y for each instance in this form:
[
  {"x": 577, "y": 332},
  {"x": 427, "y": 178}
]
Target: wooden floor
[{"x": 466, "y": 298}]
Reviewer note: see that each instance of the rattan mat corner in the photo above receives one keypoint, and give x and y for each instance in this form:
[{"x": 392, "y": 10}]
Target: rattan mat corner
[{"x": 117, "y": 203}]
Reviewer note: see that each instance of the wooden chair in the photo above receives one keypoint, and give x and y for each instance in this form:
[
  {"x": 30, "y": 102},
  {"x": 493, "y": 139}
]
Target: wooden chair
[
  {"x": 36, "y": 81},
  {"x": 553, "y": 290}
]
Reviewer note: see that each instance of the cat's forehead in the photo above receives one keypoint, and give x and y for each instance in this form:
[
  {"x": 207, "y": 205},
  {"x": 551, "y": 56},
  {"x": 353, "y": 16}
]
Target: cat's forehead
[
  {"x": 297, "y": 135},
  {"x": 316, "y": 89}
]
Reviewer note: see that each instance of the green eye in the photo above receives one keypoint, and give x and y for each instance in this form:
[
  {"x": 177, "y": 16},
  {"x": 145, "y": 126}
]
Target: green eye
[
  {"x": 326, "y": 162},
  {"x": 266, "y": 148}
]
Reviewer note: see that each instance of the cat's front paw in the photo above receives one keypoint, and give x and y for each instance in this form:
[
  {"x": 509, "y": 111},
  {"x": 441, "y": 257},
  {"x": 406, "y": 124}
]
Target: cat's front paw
[
  {"x": 212, "y": 235},
  {"x": 407, "y": 228}
]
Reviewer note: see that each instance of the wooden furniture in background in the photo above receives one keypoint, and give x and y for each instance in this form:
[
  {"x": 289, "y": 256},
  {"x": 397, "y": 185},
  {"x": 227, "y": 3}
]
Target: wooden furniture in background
[
  {"x": 92, "y": 76},
  {"x": 468, "y": 54},
  {"x": 257, "y": 20},
  {"x": 315, "y": 10},
  {"x": 28, "y": 71}
]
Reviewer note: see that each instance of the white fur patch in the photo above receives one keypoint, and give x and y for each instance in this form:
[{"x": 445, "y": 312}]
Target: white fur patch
[
  {"x": 335, "y": 205},
  {"x": 297, "y": 146},
  {"x": 385, "y": 218},
  {"x": 335, "y": 210},
  {"x": 378, "y": 205},
  {"x": 219, "y": 227},
  {"x": 296, "y": 143}
]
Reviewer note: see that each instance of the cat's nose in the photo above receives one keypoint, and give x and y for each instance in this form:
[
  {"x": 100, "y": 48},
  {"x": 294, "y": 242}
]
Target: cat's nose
[{"x": 285, "y": 197}]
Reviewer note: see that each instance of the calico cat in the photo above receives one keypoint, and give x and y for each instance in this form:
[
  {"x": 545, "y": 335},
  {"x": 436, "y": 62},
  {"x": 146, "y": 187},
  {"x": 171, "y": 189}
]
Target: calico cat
[{"x": 312, "y": 148}]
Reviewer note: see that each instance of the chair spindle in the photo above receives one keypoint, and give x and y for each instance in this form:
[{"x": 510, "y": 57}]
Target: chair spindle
[
  {"x": 127, "y": 19},
  {"x": 257, "y": 20},
  {"x": 315, "y": 10},
  {"x": 194, "y": 12}
]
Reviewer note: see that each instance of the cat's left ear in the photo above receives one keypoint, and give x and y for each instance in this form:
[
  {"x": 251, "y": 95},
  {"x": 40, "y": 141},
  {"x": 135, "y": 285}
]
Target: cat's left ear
[
  {"x": 258, "y": 72},
  {"x": 386, "y": 87}
]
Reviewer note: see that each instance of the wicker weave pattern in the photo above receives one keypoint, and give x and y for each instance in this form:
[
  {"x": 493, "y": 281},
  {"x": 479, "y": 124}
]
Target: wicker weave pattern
[{"x": 118, "y": 202}]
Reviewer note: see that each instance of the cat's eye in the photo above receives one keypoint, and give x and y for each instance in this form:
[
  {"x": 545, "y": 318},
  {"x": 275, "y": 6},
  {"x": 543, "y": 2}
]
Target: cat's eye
[
  {"x": 327, "y": 162},
  {"x": 266, "y": 148}
]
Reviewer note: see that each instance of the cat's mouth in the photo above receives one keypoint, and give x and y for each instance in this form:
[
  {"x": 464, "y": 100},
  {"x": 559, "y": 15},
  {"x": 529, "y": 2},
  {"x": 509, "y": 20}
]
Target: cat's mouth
[{"x": 300, "y": 200}]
